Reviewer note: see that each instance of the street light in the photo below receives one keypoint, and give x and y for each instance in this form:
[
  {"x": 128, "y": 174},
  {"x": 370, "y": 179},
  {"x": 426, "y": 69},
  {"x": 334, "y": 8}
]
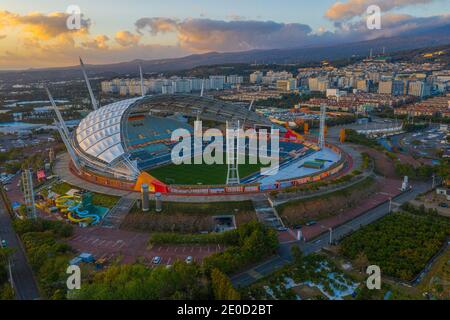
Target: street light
[{"x": 390, "y": 205}]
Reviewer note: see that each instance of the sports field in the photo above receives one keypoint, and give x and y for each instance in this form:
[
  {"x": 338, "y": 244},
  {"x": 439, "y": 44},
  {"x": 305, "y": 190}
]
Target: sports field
[{"x": 202, "y": 174}]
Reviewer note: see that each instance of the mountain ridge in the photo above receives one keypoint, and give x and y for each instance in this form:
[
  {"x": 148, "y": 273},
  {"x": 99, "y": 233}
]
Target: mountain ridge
[{"x": 428, "y": 38}]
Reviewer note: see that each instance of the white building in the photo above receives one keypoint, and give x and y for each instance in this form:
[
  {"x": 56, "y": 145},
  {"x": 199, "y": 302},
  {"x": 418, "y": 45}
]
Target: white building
[
  {"x": 256, "y": 77},
  {"x": 217, "y": 82},
  {"x": 235, "y": 79}
]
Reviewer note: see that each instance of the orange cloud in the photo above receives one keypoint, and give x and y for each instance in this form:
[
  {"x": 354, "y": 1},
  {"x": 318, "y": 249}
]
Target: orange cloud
[
  {"x": 353, "y": 8},
  {"x": 127, "y": 39},
  {"x": 99, "y": 42},
  {"x": 41, "y": 26}
]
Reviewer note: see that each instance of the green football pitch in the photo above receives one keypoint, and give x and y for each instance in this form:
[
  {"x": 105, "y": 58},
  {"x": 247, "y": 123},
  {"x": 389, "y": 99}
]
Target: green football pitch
[{"x": 202, "y": 174}]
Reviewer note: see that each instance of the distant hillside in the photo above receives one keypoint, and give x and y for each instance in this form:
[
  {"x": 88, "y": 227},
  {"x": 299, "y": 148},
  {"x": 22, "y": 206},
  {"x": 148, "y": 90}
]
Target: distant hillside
[{"x": 425, "y": 39}]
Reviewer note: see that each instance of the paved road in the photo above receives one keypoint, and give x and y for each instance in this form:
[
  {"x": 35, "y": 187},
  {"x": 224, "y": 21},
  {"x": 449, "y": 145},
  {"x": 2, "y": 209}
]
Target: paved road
[
  {"x": 23, "y": 279},
  {"x": 315, "y": 245}
]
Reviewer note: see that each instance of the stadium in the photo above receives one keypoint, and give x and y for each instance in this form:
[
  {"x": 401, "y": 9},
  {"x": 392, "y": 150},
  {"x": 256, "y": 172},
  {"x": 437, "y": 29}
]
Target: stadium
[{"x": 128, "y": 143}]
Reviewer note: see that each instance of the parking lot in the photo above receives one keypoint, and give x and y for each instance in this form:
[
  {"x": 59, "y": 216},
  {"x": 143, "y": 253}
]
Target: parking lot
[{"x": 130, "y": 247}]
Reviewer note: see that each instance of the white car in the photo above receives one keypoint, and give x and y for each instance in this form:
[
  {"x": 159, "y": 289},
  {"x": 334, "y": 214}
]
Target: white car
[
  {"x": 189, "y": 260},
  {"x": 156, "y": 260}
]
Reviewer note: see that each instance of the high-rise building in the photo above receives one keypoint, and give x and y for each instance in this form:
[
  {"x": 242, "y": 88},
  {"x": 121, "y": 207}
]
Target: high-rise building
[
  {"x": 256, "y": 77},
  {"x": 217, "y": 82},
  {"x": 323, "y": 85},
  {"x": 362, "y": 85},
  {"x": 398, "y": 88},
  {"x": 385, "y": 87},
  {"x": 167, "y": 89},
  {"x": 235, "y": 79},
  {"x": 196, "y": 84},
  {"x": 313, "y": 84},
  {"x": 287, "y": 85},
  {"x": 393, "y": 87},
  {"x": 419, "y": 89},
  {"x": 272, "y": 77},
  {"x": 181, "y": 86}
]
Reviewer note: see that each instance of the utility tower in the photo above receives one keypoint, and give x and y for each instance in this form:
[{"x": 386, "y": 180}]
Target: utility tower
[
  {"x": 51, "y": 155},
  {"x": 232, "y": 148},
  {"x": 28, "y": 193},
  {"x": 142, "y": 81},
  {"x": 323, "y": 114}
]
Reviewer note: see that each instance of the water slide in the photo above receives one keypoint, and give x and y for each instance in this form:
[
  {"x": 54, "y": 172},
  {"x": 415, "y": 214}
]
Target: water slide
[
  {"x": 84, "y": 215},
  {"x": 63, "y": 203}
]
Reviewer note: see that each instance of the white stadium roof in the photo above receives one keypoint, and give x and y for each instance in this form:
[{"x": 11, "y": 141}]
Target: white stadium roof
[
  {"x": 99, "y": 138},
  {"x": 99, "y": 133}
]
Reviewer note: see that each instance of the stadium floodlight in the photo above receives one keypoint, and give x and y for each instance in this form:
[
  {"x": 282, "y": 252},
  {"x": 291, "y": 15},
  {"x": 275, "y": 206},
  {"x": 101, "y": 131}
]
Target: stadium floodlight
[
  {"x": 142, "y": 80},
  {"x": 88, "y": 84},
  {"x": 323, "y": 115},
  {"x": 251, "y": 105},
  {"x": 249, "y": 111},
  {"x": 203, "y": 88}
]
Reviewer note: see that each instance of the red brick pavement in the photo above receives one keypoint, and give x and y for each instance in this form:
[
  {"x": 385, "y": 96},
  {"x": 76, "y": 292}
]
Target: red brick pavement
[{"x": 391, "y": 188}]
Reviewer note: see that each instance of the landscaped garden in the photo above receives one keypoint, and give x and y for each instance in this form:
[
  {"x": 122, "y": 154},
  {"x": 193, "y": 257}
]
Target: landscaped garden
[
  {"x": 311, "y": 277},
  {"x": 187, "y": 217}
]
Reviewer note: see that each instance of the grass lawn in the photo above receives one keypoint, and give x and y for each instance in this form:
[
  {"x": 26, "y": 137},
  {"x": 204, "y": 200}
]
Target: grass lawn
[
  {"x": 203, "y": 174},
  {"x": 98, "y": 199}
]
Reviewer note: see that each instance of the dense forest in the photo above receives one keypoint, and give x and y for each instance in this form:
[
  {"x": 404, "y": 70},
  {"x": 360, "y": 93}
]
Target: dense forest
[
  {"x": 47, "y": 254},
  {"x": 6, "y": 291},
  {"x": 401, "y": 243}
]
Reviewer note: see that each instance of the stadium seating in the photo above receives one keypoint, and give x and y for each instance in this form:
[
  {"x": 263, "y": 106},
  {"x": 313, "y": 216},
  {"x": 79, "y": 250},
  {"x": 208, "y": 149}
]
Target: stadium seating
[{"x": 149, "y": 139}]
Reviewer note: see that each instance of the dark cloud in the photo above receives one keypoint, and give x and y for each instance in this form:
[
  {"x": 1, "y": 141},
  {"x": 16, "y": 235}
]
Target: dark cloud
[
  {"x": 391, "y": 25},
  {"x": 207, "y": 34},
  {"x": 203, "y": 35}
]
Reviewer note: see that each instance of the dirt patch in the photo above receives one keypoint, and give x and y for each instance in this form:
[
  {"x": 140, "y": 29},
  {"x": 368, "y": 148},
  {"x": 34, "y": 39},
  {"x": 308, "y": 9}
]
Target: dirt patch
[
  {"x": 384, "y": 166},
  {"x": 307, "y": 293},
  {"x": 322, "y": 207}
]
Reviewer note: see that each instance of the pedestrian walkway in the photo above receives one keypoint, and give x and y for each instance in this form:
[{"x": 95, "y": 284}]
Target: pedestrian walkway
[
  {"x": 62, "y": 170},
  {"x": 115, "y": 216},
  {"x": 266, "y": 213}
]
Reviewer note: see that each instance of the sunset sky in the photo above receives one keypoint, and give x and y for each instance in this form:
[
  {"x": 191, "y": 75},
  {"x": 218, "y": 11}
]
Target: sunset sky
[{"x": 34, "y": 33}]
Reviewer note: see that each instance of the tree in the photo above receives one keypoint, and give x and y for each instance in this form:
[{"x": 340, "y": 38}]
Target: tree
[
  {"x": 138, "y": 282},
  {"x": 297, "y": 254},
  {"x": 361, "y": 261},
  {"x": 222, "y": 287}
]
